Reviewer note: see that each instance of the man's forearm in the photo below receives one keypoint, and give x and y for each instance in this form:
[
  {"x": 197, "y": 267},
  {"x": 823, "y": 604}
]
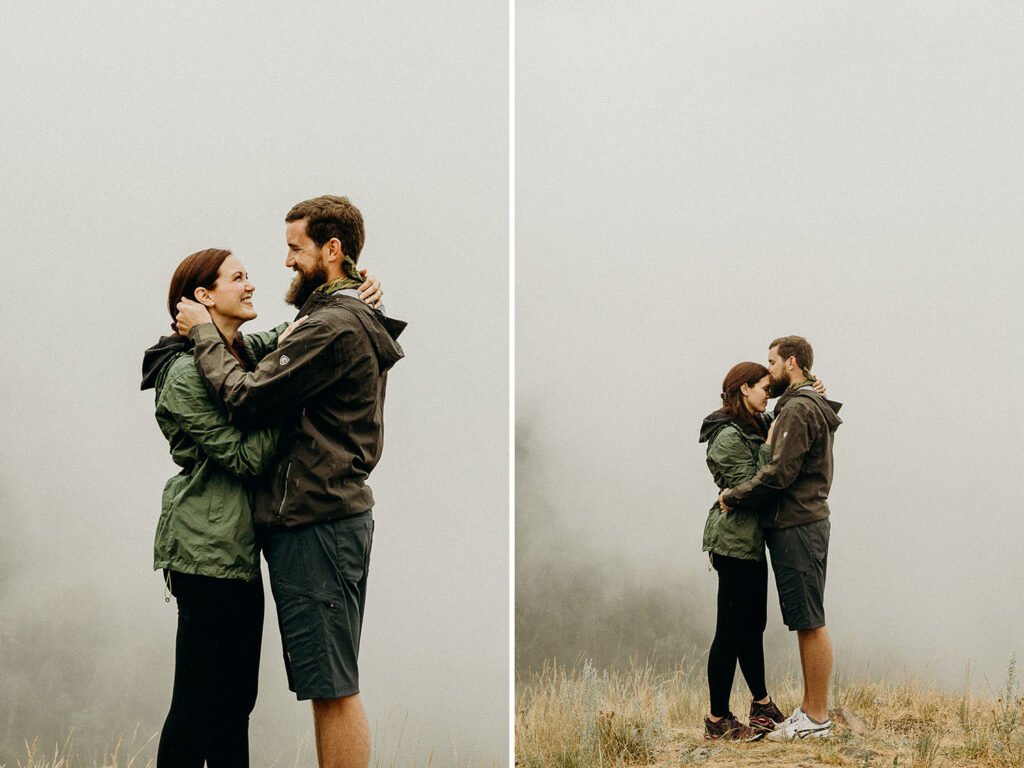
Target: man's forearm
[
  {"x": 223, "y": 375},
  {"x": 792, "y": 440},
  {"x": 748, "y": 493},
  {"x": 303, "y": 364}
]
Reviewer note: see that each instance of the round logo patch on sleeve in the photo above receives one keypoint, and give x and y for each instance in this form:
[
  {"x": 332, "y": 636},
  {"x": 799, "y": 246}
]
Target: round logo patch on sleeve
[{"x": 284, "y": 360}]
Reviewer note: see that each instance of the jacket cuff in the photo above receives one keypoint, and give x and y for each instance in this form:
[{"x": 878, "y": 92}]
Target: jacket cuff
[{"x": 204, "y": 332}]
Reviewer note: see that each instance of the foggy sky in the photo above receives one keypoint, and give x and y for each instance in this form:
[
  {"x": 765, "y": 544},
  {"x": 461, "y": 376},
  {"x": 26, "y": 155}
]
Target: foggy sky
[
  {"x": 694, "y": 180},
  {"x": 137, "y": 133}
]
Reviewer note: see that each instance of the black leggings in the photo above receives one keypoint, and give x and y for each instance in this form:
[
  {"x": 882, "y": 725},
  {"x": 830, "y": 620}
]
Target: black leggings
[
  {"x": 742, "y": 616},
  {"x": 216, "y": 672}
]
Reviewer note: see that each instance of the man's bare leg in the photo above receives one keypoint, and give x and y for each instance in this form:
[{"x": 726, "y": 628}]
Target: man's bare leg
[
  {"x": 803, "y": 671},
  {"x": 342, "y": 733},
  {"x": 816, "y": 662}
]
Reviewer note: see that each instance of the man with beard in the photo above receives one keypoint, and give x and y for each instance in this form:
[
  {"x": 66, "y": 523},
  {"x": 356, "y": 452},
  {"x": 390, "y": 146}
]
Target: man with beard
[
  {"x": 792, "y": 492},
  {"x": 324, "y": 385}
]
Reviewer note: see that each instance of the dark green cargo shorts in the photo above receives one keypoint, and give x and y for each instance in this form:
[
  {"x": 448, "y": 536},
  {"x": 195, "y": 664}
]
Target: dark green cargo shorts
[
  {"x": 318, "y": 578},
  {"x": 799, "y": 558}
]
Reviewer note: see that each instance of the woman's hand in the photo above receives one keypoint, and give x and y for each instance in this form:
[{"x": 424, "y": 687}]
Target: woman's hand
[
  {"x": 721, "y": 503},
  {"x": 819, "y": 387},
  {"x": 370, "y": 291},
  {"x": 771, "y": 428},
  {"x": 290, "y": 328}
]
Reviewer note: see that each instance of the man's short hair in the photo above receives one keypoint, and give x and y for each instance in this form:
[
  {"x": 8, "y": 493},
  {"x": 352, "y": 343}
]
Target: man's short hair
[
  {"x": 330, "y": 216},
  {"x": 795, "y": 346}
]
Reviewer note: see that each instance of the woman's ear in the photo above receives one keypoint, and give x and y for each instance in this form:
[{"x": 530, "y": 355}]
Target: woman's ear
[
  {"x": 203, "y": 297},
  {"x": 744, "y": 389}
]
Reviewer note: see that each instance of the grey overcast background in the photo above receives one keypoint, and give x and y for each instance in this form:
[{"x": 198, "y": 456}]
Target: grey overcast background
[
  {"x": 696, "y": 179},
  {"x": 136, "y": 133}
]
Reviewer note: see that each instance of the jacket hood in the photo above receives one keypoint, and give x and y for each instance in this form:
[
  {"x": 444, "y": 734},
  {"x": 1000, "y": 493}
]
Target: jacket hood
[
  {"x": 713, "y": 422},
  {"x": 382, "y": 330},
  {"x": 829, "y": 408},
  {"x": 157, "y": 356}
]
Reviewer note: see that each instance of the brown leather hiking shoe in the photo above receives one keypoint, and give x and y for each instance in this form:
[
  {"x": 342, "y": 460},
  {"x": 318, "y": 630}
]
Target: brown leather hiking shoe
[
  {"x": 726, "y": 728},
  {"x": 764, "y": 717}
]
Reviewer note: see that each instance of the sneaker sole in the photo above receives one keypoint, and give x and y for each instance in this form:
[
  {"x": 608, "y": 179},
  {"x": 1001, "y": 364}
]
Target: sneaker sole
[{"x": 816, "y": 733}]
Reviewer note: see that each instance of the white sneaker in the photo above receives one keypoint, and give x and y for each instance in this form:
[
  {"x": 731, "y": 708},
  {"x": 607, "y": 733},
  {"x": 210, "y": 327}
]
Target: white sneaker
[
  {"x": 800, "y": 726},
  {"x": 796, "y": 714}
]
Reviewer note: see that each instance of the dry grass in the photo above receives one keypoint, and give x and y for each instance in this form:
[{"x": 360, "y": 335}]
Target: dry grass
[
  {"x": 582, "y": 717},
  {"x": 586, "y": 718},
  {"x": 387, "y": 752},
  {"x": 126, "y": 754}
]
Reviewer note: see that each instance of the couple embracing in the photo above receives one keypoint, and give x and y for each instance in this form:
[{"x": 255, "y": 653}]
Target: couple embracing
[
  {"x": 773, "y": 471},
  {"x": 275, "y": 433}
]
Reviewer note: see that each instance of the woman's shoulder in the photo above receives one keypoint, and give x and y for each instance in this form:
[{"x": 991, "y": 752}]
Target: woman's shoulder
[
  {"x": 183, "y": 365},
  {"x": 181, "y": 380},
  {"x": 728, "y": 434},
  {"x": 734, "y": 433}
]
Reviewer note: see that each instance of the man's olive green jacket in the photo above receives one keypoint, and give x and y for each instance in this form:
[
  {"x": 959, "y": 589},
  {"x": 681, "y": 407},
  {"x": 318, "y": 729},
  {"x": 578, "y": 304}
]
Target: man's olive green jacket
[
  {"x": 792, "y": 488},
  {"x": 325, "y": 385}
]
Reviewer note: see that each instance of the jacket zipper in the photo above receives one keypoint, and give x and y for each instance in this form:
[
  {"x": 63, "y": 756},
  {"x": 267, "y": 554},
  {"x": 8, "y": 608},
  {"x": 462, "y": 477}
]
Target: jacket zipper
[{"x": 284, "y": 492}]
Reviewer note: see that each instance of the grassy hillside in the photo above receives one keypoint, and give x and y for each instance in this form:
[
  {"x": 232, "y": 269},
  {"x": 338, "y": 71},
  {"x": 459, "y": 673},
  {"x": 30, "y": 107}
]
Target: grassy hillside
[
  {"x": 389, "y": 749},
  {"x": 585, "y": 718}
]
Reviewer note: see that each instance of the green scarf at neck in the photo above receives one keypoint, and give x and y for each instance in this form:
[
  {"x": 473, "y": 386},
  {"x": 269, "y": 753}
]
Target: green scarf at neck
[
  {"x": 351, "y": 278},
  {"x": 808, "y": 381}
]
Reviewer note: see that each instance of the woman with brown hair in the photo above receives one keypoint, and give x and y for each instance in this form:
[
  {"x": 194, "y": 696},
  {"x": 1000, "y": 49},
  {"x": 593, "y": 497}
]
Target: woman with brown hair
[
  {"x": 205, "y": 540},
  {"x": 739, "y": 437}
]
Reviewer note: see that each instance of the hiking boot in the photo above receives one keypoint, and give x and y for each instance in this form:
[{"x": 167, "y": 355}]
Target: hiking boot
[
  {"x": 726, "y": 728},
  {"x": 800, "y": 726},
  {"x": 765, "y": 717}
]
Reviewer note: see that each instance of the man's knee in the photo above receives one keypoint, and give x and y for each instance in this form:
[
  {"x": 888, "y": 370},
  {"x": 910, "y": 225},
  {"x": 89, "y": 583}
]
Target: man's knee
[
  {"x": 343, "y": 706},
  {"x": 811, "y": 634},
  {"x": 342, "y": 732}
]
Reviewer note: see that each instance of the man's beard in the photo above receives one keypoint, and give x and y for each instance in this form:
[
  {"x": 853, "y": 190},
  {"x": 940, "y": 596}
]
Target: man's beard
[
  {"x": 304, "y": 284},
  {"x": 776, "y": 386}
]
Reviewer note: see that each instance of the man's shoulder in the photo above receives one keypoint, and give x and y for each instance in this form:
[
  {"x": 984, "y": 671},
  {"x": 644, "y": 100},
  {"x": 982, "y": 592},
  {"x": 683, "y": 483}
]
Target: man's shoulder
[
  {"x": 804, "y": 397},
  {"x": 351, "y": 317},
  {"x": 355, "y": 327},
  {"x": 339, "y": 311},
  {"x": 808, "y": 407},
  {"x": 800, "y": 407},
  {"x": 334, "y": 322}
]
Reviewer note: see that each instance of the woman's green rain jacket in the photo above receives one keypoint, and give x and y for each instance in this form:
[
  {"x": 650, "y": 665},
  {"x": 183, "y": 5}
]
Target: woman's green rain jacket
[
  {"x": 205, "y": 524},
  {"x": 735, "y": 453}
]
